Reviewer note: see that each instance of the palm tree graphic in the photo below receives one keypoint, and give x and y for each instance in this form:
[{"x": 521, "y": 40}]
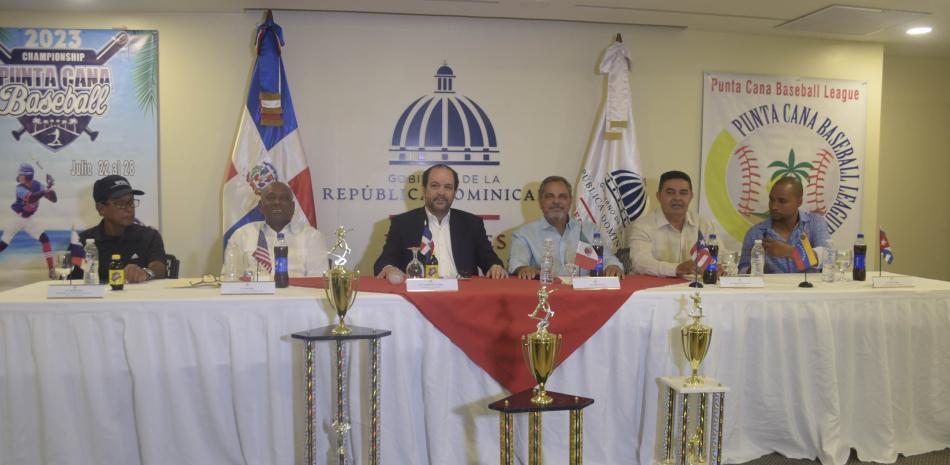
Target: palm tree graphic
[{"x": 790, "y": 169}]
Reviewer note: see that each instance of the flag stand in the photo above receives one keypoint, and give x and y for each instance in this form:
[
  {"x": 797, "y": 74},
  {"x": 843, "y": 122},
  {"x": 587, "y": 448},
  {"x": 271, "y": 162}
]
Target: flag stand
[
  {"x": 695, "y": 283},
  {"x": 805, "y": 283}
]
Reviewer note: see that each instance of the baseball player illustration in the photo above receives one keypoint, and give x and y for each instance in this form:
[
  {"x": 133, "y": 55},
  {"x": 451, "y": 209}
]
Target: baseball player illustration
[{"x": 29, "y": 193}]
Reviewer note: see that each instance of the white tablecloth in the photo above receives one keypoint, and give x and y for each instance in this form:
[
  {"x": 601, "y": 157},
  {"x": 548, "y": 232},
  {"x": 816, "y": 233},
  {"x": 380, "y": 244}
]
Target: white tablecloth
[{"x": 185, "y": 376}]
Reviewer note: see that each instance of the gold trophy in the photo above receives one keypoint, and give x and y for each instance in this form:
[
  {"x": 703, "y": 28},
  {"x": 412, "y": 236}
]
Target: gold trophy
[
  {"x": 341, "y": 284},
  {"x": 540, "y": 348},
  {"x": 696, "y": 338}
]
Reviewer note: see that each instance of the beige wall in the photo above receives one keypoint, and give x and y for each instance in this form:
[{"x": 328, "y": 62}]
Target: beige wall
[
  {"x": 205, "y": 60},
  {"x": 915, "y": 160}
]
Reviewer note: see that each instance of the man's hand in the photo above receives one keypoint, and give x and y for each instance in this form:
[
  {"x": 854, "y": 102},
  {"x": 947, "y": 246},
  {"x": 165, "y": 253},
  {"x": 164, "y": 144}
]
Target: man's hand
[
  {"x": 392, "y": 274},
  {"x": 497, "y": 272},
  {"x": 686, "y": 269},
  {"x": 527, "y": 272},
  {"x": 774, "y": 248},
  {"x": 613, "y": 270},
  {"x": 134, "y": 274}
]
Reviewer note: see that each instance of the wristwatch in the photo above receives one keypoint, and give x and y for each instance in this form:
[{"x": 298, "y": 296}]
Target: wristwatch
[{"x": 149, "y": 273}]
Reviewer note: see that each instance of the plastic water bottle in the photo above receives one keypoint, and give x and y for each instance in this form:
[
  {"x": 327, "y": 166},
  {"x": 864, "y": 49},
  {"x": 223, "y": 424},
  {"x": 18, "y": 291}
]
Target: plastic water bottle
[
  {"x": 547, "y": 263},
  {"x": 232, "y": 259},
  {"x": 758, "y": 259},
  {"x": 828, "y": 263},
  {"x": 598, "y": 245},
  {"x": 281, "y": 269},
  {"x": 859, "y": 272},
  {"x": 91, "y": 262}
]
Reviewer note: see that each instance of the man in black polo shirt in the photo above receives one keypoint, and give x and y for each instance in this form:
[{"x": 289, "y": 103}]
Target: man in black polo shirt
[{"x": 141, "y": 247}]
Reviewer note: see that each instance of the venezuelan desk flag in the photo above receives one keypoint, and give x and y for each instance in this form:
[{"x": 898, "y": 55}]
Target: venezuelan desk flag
[
  {"x": 611, "y": 192},
  {"x": 268, "y": 145},
  {"x": 886, "y": 248},
  {"x": 804, "y": 254}
]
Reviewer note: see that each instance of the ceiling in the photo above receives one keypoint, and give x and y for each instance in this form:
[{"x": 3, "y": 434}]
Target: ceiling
[{"x": 739, "y": 16}]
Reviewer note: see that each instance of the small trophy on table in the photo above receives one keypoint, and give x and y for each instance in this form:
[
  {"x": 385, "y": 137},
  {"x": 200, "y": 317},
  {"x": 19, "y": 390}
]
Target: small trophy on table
[{"x": 693, "y": 449}]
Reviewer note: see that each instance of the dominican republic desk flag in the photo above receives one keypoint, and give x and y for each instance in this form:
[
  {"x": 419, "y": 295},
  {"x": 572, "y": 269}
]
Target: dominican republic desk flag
[
  {"x": 426, "y": 244},
  {"x": 610, "y": 191},
  {"x": 886, "y": 248},
  {"x": 699, "y": 253},
  {"x": 78, "y": 253},
  {"x": 804, "y": 255},
  {"x": 268, "y": 145}
]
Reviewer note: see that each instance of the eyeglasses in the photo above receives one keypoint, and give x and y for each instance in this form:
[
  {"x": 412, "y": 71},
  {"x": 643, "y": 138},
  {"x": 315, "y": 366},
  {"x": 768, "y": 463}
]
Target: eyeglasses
[{"x": 126, "y": 205}]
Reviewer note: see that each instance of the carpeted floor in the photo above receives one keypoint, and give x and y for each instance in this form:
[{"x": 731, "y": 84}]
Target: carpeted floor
[{"x": 933, "y": 458}]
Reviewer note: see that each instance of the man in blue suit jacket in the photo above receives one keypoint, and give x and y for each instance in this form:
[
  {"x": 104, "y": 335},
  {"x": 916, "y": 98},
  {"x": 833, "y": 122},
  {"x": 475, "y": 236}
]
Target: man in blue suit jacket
[{"x": 461, "y": 244}]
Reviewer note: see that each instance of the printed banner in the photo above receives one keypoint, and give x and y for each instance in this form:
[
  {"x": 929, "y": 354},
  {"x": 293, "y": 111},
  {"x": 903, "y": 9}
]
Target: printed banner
[
  {"x": 75, "y": 105},
  {"x": 758, "y": 129}
]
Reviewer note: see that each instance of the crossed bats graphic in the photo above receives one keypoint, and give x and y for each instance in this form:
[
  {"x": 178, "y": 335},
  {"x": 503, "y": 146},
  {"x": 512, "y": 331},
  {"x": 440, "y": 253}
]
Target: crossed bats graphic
[{"x": 101, "y": 57}]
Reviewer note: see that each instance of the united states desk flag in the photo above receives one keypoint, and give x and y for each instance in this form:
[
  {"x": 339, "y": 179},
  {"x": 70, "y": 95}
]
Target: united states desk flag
[
  {"x": 886, "y": 248},
  {"x": 804, "y": 255},
  {"x": 268, "y": 145},
  {"x": 611, "y": 191}
]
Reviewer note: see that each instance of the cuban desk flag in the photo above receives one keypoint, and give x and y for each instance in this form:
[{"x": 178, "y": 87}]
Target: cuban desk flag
[
  {"x": 611, "y": 191},
  {"x": 886, "y": 248},
  {"x": 268, "y": 145},
  {"x": 76, "y": 251},
  {"x": 804, "y": 255},
  {"x": 700, "y": 253},
  {"x": 426, "y": 244}
]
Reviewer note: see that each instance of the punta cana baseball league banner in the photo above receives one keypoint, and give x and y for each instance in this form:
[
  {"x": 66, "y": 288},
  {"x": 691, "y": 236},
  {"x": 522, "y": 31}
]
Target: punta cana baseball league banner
[
  {"x": 75, "y": 105},
  {"x": 758, "y": 129}
]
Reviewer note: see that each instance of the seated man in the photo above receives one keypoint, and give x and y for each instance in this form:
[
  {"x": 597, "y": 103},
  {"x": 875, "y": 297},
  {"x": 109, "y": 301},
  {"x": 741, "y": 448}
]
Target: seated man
[
  {"x": 660, "y": 241},
  {"x": 141, "y": 247},
  {"x": 527, "y": 243},
  {"x": 782, "y": 231},
  {"x": 306, "y": 247},
  {"x": 460, "y": 241}
]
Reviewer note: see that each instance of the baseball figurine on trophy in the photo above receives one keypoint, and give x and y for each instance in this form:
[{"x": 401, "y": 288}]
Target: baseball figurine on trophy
[
  {"x": 691, "y": 448},
  {"x": 340, "y": 292},
  {"x": 540, "y": 349}
]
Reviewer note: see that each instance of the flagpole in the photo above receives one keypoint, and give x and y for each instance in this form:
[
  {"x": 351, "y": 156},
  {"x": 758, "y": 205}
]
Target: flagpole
[{"x": 695, "y": 282}]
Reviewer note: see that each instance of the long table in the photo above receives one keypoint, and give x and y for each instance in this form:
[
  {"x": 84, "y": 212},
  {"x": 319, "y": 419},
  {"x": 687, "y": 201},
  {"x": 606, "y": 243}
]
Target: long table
[{"x": 154, "y": 375}]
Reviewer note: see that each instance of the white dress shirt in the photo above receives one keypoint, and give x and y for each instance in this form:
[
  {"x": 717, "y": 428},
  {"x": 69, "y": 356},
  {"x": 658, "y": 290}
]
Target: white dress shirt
[
  {"x": 306, "y": 248},
  {"x": 442, "y": 236},
  {"x": 656, "y": 247}
]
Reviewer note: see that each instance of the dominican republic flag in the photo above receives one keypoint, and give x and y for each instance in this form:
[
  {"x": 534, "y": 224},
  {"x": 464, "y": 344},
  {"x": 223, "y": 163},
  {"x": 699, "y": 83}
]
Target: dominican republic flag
[
  {"x": 426, "y": 244},
  {"x": 76, "y": 250},
  {"x": 804, "y": 255},
  {"x": 268, "y": 145},
  {"x": 585, "y": 257},
  {"x": 886, "y": 248},
  {"x": 699, "y": 253},
  {"x": 615, "y": 193}
]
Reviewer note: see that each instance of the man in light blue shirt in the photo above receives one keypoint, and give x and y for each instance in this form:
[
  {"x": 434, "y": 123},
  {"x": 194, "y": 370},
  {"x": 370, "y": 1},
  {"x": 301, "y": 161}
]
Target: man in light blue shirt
[
  {"x": 527, "y": 244},
  {"x": 782, "y": 231}
]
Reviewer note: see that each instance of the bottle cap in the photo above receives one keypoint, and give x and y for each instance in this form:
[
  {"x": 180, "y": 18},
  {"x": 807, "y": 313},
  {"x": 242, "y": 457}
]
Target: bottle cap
[
  {"x": 712, "y": 236},
  {"x": 280, "y": 236},
  {"x": 116, "y": 256},
  {"x": 89, "y": 239},
  {"x": 861, "y": 235},
  {"x": 758, "y": 241},
  {"x": 596, "y": 234}
]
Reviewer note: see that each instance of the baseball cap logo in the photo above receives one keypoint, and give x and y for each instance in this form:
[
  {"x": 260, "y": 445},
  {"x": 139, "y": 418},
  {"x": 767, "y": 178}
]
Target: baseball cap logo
[{"x": 120, "y": 182}]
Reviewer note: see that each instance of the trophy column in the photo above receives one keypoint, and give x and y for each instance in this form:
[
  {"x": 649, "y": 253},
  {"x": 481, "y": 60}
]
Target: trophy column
[
  {"x": 679, "y": 447},
  {"x": 341, "y": 424},
  {"x": 522, "y": 403}
]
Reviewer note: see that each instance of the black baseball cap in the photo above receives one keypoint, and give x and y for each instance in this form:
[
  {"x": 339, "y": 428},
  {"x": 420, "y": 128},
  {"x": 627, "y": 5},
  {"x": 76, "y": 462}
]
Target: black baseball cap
[{"x": 112, "y": 186}]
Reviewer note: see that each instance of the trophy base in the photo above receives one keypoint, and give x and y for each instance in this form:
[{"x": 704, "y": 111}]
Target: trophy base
[
  {"x": 341, "y": 330},
  {"x": 541, "y": 397}
]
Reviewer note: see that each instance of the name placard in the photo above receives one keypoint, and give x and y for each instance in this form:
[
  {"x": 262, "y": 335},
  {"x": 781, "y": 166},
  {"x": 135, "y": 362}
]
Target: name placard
[
  {"x": 741, "y": 281},
  {"x": 75, "y": 291},
  {"x": 607, "y": 282},
  {"x": 432, "y": 285},
  {"x": 892, "y": 281},
  {"x": 247, "y": 287}
]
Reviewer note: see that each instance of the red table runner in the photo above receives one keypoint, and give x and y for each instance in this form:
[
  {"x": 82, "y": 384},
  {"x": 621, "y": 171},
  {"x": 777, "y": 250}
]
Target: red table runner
[{"x": 486, "y": 318}]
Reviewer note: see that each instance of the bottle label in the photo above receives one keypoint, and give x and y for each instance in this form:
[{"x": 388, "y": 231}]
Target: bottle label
[
  {"x": 432, "y": 271},
  {"x": 117, "y": 277},
  {"x": 859, "y": 262},
  {"x": 281, "y": 265}
]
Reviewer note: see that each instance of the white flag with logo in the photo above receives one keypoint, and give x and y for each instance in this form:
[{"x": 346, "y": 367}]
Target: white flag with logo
[{"x": 611, "y": 193}]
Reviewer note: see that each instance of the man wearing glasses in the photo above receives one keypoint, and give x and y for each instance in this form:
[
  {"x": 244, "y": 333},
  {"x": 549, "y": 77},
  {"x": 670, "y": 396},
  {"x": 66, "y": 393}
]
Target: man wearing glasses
[{"x": 140, "y": 246}]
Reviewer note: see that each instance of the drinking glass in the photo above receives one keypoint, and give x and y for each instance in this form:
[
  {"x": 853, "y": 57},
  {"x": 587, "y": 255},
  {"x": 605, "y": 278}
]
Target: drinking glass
[
  {"x": 729, "y": 263},
  {"x": 415, "y": 269},
  {"x": 63, "y": 262},
  {"x": 843, "y": 262}
]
